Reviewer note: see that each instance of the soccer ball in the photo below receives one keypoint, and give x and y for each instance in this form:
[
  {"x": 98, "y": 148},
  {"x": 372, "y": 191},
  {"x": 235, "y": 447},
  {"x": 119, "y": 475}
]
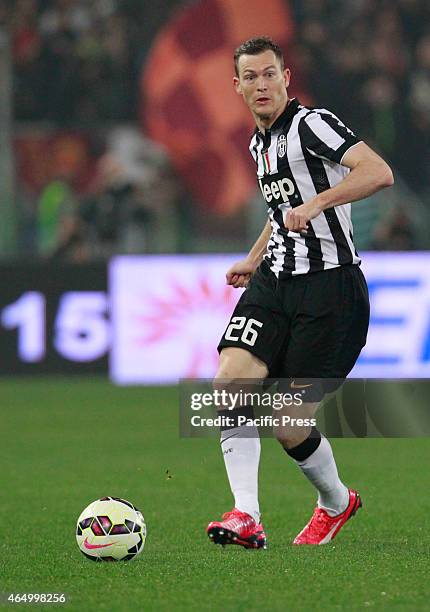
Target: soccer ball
[{"x": 111, "y": 529}]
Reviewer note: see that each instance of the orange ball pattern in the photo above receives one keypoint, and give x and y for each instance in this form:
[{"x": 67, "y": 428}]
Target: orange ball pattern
[{"x": 188, "y": 100}]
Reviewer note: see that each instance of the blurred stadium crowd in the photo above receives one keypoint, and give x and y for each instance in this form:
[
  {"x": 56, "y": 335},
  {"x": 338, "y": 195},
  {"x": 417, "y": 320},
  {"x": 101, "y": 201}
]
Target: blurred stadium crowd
[
  {"x": 369, "y": 61},
  {"x": 75, "y": 61},
  {"x": 76, "y": 64}
]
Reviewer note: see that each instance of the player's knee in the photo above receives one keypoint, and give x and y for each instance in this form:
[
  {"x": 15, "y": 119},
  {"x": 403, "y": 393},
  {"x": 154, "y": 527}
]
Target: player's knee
[
  {"x": 226, "y": 375},
  {"x": 220, "y": 387},
  {"x": 237, "y": 363},
  {"x": 235, "y": 389},
  {"x": 289, "y": 438},
  {"x": 231, "y": 389}
]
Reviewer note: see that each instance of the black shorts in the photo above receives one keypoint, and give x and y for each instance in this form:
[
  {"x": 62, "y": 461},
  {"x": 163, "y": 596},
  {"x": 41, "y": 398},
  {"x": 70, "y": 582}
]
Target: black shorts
[{"x": 305, "y": 326}]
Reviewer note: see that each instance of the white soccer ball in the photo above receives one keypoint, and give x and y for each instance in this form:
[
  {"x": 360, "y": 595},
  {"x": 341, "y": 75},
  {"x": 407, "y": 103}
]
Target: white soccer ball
[{"x": 111, "y": 529}]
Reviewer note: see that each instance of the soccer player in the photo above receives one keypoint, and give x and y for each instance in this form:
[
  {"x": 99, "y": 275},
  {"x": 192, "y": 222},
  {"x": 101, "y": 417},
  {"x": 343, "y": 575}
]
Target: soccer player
[{"x": 305, "y": 311}]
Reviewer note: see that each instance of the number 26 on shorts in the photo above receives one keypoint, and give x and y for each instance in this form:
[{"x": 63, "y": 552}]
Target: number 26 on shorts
[{"x": 249, "y": 334}]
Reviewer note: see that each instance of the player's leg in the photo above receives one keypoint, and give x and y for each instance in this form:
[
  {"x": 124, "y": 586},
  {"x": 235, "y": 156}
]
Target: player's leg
[
  {"x": 249, "y": 347},
  {"x": 240, "y": 445},
  {"x": 312, "y": 453},
  {"x": 326, "y": 339}
]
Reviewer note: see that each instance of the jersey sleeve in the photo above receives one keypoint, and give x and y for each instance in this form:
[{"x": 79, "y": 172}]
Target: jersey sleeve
[{"x": 325, "y": 136}]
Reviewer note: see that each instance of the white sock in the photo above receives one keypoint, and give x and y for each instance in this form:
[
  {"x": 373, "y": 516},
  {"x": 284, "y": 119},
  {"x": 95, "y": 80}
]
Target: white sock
[
  {"x": 242, "y": 458},
  {"x": 320, "y": 468}
]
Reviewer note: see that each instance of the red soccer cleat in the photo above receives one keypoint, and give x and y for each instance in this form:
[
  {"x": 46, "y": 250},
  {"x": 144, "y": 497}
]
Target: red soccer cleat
[
  {"x": 322, "y": 528},
  {"x": 237, "y": 528}
]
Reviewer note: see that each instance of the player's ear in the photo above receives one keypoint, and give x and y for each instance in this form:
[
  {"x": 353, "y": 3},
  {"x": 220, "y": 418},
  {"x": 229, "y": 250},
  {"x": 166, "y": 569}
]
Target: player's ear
[
  {"x": 287, "y": 75},
  {"x": 237, "y": 86}
]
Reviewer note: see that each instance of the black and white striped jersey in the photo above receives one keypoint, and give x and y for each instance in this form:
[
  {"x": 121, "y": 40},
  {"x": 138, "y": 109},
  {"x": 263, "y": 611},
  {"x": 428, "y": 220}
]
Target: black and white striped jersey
[{"x": 297, "y": 158}]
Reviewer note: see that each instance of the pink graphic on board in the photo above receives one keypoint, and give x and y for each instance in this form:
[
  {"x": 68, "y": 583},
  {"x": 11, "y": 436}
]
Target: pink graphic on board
[
  {"x": 168, "y": 319},
  {"x": 180, "y": 312}
]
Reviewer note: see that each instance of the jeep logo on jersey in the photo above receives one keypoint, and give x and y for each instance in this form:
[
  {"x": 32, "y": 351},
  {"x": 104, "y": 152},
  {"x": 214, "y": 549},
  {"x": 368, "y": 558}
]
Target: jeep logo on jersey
[
  {"x": 275, "y": 190},
  {"x": 282, "y": 145}
]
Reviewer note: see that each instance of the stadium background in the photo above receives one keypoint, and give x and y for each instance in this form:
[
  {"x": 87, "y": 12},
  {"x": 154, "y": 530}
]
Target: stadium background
[{"x": 127, "y": 188}]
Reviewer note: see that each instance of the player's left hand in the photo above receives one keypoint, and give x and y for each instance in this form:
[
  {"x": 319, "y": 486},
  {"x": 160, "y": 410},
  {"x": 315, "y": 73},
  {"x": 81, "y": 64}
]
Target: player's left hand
[{"x": 297, "y": 219}]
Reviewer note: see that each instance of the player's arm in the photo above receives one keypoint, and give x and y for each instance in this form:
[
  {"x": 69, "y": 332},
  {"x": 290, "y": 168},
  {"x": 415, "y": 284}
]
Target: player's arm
[
  {"x": 240, "y": 273},
  {"x": 369, "y": 173}
]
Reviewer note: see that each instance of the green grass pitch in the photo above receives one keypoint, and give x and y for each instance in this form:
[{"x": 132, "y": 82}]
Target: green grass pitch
[{"x": 66, "y": 442}]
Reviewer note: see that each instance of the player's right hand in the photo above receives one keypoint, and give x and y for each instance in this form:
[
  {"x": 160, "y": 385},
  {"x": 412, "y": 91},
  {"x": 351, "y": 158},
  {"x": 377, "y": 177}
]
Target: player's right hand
[{"x": 240, "y": 273}]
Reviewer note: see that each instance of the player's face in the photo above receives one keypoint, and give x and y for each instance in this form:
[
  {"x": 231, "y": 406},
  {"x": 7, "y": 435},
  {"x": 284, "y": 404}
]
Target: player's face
[{"x": 263, "y": 84}]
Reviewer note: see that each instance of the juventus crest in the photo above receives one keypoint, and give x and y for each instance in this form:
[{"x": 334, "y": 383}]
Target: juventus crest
[{"x": 282, "y": 145}]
